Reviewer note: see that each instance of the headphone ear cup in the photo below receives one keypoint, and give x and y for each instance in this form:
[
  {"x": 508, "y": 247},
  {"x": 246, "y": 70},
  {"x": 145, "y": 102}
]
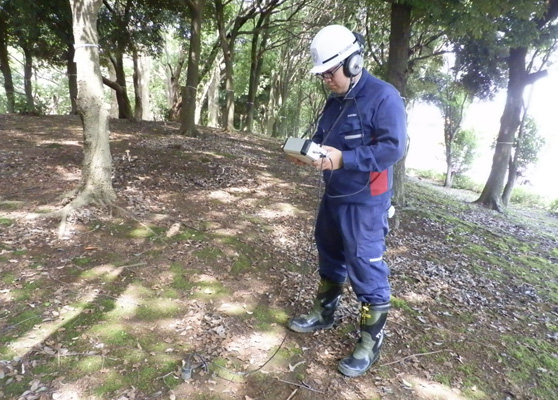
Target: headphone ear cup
[{"x": 353, "y": 65}]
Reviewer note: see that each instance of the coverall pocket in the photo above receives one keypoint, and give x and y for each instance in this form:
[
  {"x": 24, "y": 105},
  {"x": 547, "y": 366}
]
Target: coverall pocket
[{"x": 352, "y": 134}]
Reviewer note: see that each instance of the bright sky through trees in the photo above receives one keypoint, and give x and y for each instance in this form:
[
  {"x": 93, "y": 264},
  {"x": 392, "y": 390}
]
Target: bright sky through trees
[{"x": 426, "y": 132}]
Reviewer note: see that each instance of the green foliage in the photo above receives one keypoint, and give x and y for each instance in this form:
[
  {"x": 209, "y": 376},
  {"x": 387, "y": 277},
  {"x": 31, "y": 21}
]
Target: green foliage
[
  {"x": 465, "y": 182},
  {"x": 554, "y": 206},
  {"x": 528, "y": 145},
  {"x": 427, "y": 174},
  {"x": 526, "y": 198},
  {"x": 464, "y": 151}
]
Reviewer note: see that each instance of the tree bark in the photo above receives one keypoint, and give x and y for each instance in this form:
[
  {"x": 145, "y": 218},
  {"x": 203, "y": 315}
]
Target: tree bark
[
  {"x": 28, "y": 80},
  {"x": 213, "y": 97},
  {"x": 95, "y": 184},
  {"x": 397, "y": 75},
  {"x": 256, "y": 63},
  {"x": 173, "y": 87},
  {"x": 142, "y": 72},
  {"x": 188, "y": 111},
  {"x": 72, "y": 78},
  {"x": 510, "y": 183},
  {"x": 491, "y": 195},
  {"x": 5, "y": 67},
  {"x": 227, "y": 45}
]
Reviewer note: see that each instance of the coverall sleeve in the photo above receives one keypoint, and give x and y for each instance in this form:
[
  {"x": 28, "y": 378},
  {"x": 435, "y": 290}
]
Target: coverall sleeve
[{"x": 389, "y": 138}]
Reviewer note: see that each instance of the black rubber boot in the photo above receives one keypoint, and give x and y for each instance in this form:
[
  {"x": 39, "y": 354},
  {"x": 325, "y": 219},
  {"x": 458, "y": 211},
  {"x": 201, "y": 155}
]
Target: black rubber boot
[
  {"x": 367, "y": 350},
  {"x": 325, "y": 304}
]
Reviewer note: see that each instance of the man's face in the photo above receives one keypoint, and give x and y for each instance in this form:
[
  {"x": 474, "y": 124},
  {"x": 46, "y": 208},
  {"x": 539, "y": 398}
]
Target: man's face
[{"x": 336, "y": 80}]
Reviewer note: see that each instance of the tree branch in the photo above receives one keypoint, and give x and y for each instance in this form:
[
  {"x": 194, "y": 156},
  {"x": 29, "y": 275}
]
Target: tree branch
[{"x": 535, "y": 76}]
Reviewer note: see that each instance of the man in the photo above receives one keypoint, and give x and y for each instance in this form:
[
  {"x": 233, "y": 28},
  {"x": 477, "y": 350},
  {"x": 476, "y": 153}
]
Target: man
[{"x": 363, "y": 130}]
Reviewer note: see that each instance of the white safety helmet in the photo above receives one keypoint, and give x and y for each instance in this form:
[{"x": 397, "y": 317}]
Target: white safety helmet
[{"x": 331, "y": 46}]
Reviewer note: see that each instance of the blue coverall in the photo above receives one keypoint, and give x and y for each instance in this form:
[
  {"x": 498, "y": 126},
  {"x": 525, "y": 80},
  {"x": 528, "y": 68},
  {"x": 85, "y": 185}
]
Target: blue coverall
[{"x": 368, "y": 125}]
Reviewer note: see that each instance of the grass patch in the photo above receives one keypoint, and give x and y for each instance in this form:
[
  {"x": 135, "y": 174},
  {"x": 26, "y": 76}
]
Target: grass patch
[
  {"x": 266, "y": 317},
  {"x": 401, "y": 304},
  {"x": 6, "y": 221},
  {"x": 209, "y": 254},
  {"x": 155, "y": 310},
  {"x": 10, "y": 205},
  {"x": 535, "y": 361},
  {"x": 82, "y": 261},
  {"x": 18, "y": 325},
  {"x": 180, "y": 281}
]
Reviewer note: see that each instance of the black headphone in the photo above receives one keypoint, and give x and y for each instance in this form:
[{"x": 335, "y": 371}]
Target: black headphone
[{"x": 353, "y": 64}]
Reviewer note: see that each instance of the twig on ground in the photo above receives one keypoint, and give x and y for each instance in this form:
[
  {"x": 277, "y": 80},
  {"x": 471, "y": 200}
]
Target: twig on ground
[
  {"x": 413, "y": 355},
  {"x": 292, "y": 394},
  {"x": 303, "y": 385}
]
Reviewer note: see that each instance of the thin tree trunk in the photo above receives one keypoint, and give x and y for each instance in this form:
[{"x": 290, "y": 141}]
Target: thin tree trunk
[
  {"x": 256, "y": 64},
  {"x": 119, "y": 86},
  {"x": 213, "y": 97},
  {"x": 491, "y": 195},
  {"x": 449, "y": 172},
  {"x": 113, "y": 110},
  {"x": 510, "y": 183},
  {"x": 227, "y": 45},
  {"x": 27, "y": 80},
  {"x": 188, "y": 111},
  {"x": 72, "y": 78},
  {"x": 174, "y": 101},
  {"x": 397, "y": 75},
  {"x": 142, "y": 71},
  {"x": 6, "y": 70}
]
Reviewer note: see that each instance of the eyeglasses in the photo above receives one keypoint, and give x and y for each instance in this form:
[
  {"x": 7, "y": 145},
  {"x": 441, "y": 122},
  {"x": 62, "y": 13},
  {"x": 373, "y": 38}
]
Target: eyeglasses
[{"x": 329, "y": 73}]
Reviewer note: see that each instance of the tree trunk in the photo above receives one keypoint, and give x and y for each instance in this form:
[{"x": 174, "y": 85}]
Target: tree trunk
[
  {"x": 226, "y": 40},
  {"x": 113, "y": 109},
  {"x": 72, "y": 78},
  {"x": 491, "y": 195},
  {"x": 512, "y": 177},
  {"x": 5, "y": 67},
  {"x": 119, "y": 86},
  {"x": 256, "y": 64},
  {"x": 228, "y": 113},
  {"x": 95, "y": 185},
  {"x": 142, "y": 74},
  {"x": 173, "y": 87},
  {"x": 136, "y": 77},
  {"x": 397, "y": 75},
  {"x": 213, "y": 97},
  {"x": 27, "y": 80},
  {"x": 188, "y": 111},
  {"x": 449, "y": 171},
  {"x": 273, "y": 105}
]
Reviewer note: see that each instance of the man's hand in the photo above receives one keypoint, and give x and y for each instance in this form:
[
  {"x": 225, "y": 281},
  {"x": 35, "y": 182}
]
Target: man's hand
[{"x": 333, "y": 160}]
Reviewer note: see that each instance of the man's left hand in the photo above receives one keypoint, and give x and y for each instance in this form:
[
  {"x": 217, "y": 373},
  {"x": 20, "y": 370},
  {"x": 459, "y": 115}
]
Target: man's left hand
[{"x": 333, "y": 160}]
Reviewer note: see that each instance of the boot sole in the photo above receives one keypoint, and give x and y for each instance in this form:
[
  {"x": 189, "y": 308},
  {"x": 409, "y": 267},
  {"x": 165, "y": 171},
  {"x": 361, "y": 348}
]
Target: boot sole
[
  {"x": 300, "y": 329},
  {"x": 351, "y": 373}
]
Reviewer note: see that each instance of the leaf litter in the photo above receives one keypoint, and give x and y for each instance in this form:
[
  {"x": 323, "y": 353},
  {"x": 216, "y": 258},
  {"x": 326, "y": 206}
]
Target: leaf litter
[{"x": 456, "y": 308}]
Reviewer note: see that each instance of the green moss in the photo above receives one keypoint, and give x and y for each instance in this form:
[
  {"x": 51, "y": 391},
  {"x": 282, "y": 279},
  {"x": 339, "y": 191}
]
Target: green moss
[
  {"x": 180, "y": 280},
  {"x": 534, "y": 362},
  {"x": 155, "y": 310},
  {"x": 209, "y": 254},
  {"x": 267, "y": 317},
  {"x": 10, "y": 205},
  {"x": 111, "y": 382},
  {"x": 82, "y": 261},
  {"x": 6, "y": 221},
  {"x": 401, "y": 304},
  {"x": 241, "y": 265}
]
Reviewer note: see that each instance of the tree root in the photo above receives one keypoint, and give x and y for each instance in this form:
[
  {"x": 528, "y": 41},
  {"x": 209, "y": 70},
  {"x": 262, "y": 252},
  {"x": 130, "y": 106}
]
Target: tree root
[{"x": 82, "y": 199}]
